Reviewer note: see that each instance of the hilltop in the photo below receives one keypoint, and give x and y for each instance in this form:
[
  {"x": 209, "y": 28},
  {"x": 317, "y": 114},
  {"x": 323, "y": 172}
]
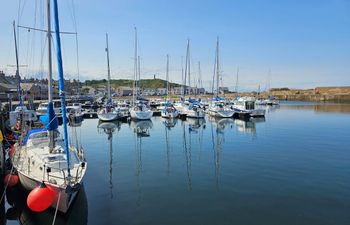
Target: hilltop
[{"x": 144, "y": 83}]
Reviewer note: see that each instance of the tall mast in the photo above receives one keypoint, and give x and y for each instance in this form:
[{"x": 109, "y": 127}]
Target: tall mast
[
  {"x": 167, "y": 75},
  {"x": 217, "y": 67},
  {"x": 49, "y": 74},
  {"x": 268, "y": 81},
  {"x": 199, "y": 75},
  {"x": 138, "y": 74},
  {"x": 108, "y": 71},
  {"x": 135, "y": 68},
  {"x": 237, "y": 79},
  {"x": 17, "y": 67},
  {"x": 61, "y": 83},
  {"x": 189, "y": 66},
  {"x": 182, "y": 76}
]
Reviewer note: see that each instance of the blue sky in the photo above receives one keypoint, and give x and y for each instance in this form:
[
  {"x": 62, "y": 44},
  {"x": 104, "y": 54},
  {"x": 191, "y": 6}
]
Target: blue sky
[{"x": 304, "y": 43}]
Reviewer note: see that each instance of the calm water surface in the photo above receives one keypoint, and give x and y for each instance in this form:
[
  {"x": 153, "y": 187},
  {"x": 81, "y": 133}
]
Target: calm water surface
[{"x": 293, "y": 167}]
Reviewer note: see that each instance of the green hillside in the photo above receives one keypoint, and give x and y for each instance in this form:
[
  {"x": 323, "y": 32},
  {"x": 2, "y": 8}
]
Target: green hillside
[{"x": 146, "y": 83}]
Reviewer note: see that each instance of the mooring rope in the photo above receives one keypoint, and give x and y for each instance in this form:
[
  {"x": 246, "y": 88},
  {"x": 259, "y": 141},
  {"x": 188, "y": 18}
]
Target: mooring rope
[
  {"x": 58, "y": 202},
  {"x": 7, "y": 183}
]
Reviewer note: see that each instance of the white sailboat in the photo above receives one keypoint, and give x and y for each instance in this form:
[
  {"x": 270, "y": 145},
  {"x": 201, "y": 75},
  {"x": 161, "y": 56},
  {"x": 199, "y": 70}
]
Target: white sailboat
[
  {"x": 140, "y": 109},
  {"x": 168, "y": 111},
  {"x": 108, "y": 112},
  {"x": 44, "y": 157},
  {"x": 218, "y": 107},
  {"x": 192, "y": 109}
]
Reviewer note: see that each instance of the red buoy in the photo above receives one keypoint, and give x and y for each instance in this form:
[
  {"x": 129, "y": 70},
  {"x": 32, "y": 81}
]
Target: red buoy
[
  {"x": 11, "y": 180},
  {"x": 40, "y": 198},
  {"x": 11, "y": 151}
]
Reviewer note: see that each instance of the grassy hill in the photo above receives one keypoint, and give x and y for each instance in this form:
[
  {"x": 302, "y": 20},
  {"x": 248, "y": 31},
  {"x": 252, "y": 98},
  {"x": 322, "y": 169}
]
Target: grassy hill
[{"x": 145, "y": 83}]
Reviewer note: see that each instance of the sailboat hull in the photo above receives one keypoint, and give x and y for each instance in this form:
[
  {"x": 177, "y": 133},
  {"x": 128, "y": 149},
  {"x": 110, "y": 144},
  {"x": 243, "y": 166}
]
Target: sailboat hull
[
  {"x": 141, "y": 115},
  {"x": 222, "y": 114},
  {"x": 65, "y": 199},
  {"x": 107, "y": 116}
]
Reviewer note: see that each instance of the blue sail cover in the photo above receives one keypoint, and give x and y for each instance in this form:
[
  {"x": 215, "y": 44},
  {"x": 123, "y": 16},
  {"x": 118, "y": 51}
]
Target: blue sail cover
[
  {"x": 109, "y": 101},
  {"x": 32, "y": 131},
  {"x": 140, "y": 98},
  {"x": 219, "y": 98},
  {"x": 50, "y": 119},
  {"x": 194, "y": 101}
]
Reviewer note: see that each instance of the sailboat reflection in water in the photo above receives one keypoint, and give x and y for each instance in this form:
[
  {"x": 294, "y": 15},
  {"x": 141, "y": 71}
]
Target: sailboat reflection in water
[
  {"x": 222, "y": 124},
  {"x": 195, "y": 124},
  {"x": 170, "y": 123},
  {"x": 142, "y": 127},
  {"x": 109, "y": 128},
  {"x": 248, "y": 126},
  {"x": 16, "y": 198}
]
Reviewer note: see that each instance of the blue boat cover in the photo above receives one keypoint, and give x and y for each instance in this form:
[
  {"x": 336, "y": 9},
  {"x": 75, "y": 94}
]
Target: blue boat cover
[
  {"x": 50, "y": 120},
  {"x": 33, "y": 131},
  {"x": 219, "y": 98},
  {"x": 140, "y": 98}
]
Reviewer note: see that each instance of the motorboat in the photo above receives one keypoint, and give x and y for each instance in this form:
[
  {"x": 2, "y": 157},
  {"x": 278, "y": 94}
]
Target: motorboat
[{"x": 247, "y": 105}]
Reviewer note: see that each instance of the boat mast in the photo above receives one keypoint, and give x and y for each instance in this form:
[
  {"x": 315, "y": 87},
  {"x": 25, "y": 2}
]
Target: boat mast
[
  {"x": 186, "y": 65},
  {"x": 108, "y": 71},
  {"x": 199, "y": 75},
  {"x": 167, "y": 75},
  {"x": 182, "y": 77},
  {"x": 189, "y": 66},
  {"x": 135, "y": 68},
  {"x": 49, "y": 74},
  {"x": 17, "y": 67},
  {"x": 61, "y": 82},
  {"x": 217, "y": 67},
  {"x": 237, "y": 80},
  {"x": 138, "y": 74}
]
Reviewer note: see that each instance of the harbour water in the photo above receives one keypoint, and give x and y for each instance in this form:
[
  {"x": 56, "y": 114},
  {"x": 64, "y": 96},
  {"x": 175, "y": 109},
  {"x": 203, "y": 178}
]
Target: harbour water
[{"x": 290, "y": 168}]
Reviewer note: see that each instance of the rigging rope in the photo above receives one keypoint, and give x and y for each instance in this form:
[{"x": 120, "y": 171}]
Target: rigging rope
[
  {"x": 7, "y": 183},
  {"x": 58, "y": 202}
]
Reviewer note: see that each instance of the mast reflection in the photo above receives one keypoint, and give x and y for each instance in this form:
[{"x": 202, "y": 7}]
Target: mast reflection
[
  {"x": 109, "y": 128},
  {"x": 141, "y": 130}
]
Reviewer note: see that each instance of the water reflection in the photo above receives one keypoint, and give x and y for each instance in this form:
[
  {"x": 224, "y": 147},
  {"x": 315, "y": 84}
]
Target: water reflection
[
  {"x": 222, "y": 124},
  {"x": 16, "y": 197},
  {"x": 109, "y": 128},
  {"x": 187, "y": 147},
  {"x": 75, "y": 124},
  {"x": 217, "y": 139},
  {"x": 195, "y": 124},
  {"x": 170, "y": 123},
  {"x": 141, "y": 130},
  {"x": 246, "y": 126},
  {"x": 317, "y": 107},
  {"x": 142, "y": 127}
]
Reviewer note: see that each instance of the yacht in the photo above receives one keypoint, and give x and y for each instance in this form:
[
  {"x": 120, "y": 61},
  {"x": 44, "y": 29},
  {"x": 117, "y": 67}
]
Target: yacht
[
  {"x": 108, "y": 112},
  {"x": 247, "y": 105},
  {"x": 218, "y": 107}
]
